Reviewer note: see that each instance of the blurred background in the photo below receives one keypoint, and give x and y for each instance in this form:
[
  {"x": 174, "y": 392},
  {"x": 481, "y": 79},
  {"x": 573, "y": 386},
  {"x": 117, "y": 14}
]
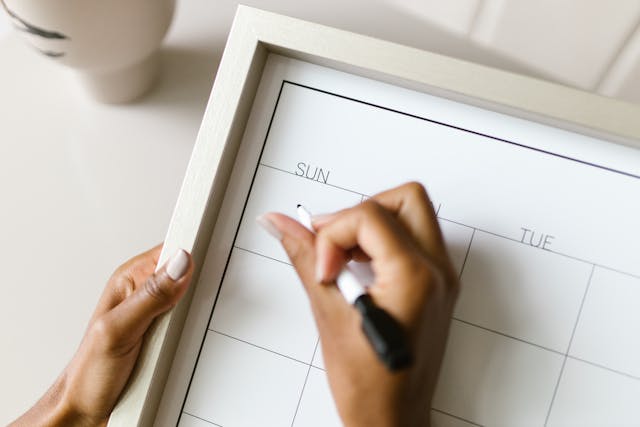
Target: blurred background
[
  {"x": 590, "y": 44},
  {"x": 84, "y": 185}
]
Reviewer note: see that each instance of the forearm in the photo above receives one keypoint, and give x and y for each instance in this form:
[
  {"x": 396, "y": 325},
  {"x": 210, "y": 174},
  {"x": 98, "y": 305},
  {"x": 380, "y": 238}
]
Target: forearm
[{"x": 52, "y": 410}]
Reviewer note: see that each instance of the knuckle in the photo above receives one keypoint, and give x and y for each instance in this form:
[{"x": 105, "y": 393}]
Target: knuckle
[
  {"x": 122, "y": 286},
  {"x": 416, "y": 190},
  {"x": 440, "y": 279},
  {"x": 370, "y": 208},
  {"x": 421, "y": 270},
  {"x": 104, "y": 334},
  {"x": 123, "y": 268},
  {"x": 410, "y": 268},
  {"x": 118, "y": 274},
  {"x": 430, "y": 275},
  {"x": 154, "y": 288}
]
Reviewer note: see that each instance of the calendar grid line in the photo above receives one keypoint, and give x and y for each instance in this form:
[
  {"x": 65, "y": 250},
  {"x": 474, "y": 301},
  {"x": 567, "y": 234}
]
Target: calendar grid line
[
  {"x": 471, "y": 131},
  {"x": 562, "y": 254},
  {"x": 474, "y": 230},
  {"x": 483, "y": 328},
  {"x": 492, "y": 233},
  {"x": 202, "y": 419},
  {"x": 606, "y": 368},
  {"x": 263, "y": 255},
  {"x": 453, "y": 317},
  {"x": 456, "y": 417},
  {"x": 584, "y": 297},
  {"x": 258, "y": 346},
  {"x": 507, "y": 335},
  {"x": 466, "y": 255},
  {"x": 362, "y": 195},
  {"x": 306, "y": 378},
  {"x": 566, "y": 354}
]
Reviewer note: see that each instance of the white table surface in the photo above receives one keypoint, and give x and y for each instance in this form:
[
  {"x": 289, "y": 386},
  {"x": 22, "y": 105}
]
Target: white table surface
[{"x": 85, "y": 186}]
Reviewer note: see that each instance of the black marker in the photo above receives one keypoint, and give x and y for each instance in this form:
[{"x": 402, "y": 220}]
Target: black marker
[{"x": 385, "y": 334}]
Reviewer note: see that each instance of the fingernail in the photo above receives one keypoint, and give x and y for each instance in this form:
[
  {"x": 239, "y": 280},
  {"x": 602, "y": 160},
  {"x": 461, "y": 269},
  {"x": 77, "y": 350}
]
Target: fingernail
[
  {"x": 178, "y": 265},
  {"x": 269, "y": 227}
]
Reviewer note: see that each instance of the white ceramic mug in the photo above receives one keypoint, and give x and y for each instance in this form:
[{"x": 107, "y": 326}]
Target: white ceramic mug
[{"x": 112, "y": 44}]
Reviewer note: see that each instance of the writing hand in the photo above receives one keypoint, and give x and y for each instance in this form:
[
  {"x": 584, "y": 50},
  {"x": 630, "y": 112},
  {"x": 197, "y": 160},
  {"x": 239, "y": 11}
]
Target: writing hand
[{"x": 398, "y": 232}]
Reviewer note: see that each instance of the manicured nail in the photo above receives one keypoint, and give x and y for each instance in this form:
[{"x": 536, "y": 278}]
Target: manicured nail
[
  {"x": 178, "y": 265},
  {"x": 269, "y": 226}
]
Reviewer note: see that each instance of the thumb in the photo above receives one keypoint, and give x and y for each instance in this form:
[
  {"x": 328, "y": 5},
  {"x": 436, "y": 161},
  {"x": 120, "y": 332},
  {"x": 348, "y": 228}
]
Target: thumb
[{"x": 161, "y": 291}]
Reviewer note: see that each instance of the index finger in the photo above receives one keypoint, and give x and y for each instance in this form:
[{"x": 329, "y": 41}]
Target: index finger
[
  {"x": 411, "y": 204},
  {"x": 368, "y": 226}
]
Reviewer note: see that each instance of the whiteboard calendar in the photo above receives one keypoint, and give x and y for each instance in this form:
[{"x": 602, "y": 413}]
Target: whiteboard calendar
[{"x": 541, "y": 224}]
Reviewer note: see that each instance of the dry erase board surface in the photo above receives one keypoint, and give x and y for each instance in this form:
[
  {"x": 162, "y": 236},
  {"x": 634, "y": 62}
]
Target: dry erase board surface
[{"x": 540, "y": 222}]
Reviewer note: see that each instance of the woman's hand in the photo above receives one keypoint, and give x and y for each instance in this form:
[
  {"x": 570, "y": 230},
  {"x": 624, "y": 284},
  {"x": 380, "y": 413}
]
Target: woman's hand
[
  {"x": 87, "y": 390},
  {"x": 398, "y": 232}
]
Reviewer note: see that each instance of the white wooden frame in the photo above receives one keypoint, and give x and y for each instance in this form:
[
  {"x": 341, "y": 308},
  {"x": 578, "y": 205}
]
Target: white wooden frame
[{"x": 253, "y": 36}]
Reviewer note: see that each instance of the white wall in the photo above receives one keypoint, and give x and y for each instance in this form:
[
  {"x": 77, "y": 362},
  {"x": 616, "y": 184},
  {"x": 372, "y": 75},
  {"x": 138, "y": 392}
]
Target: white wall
[
  {"x": 590, "y": 44},
  {"x": 4, "y": 23}
]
